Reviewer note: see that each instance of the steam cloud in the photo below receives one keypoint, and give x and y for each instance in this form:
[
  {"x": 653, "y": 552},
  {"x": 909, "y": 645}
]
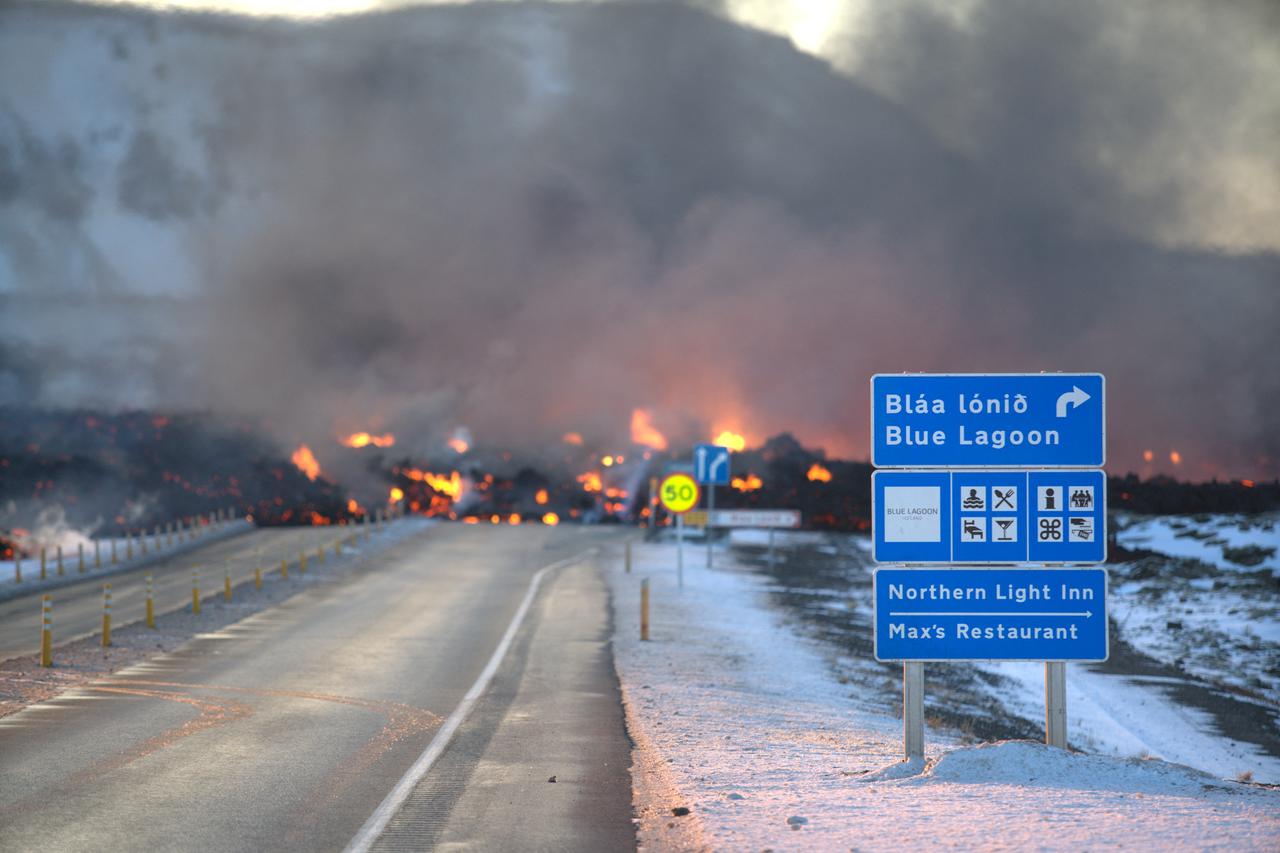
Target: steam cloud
[{"x": 527, "y": 219}]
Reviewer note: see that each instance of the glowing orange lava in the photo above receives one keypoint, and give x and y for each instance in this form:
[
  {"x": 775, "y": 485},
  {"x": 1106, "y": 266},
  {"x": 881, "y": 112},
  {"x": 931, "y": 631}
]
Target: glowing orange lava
[
  {"x": 731, "y": 440},
  {"x": 818, "y": 474},
  {"x": 450, "y": 485},
  {"x": 750, "y": 484},
  {"x": 551, "y": 519},
  {"x": 306, "y": 462},
  {"x": 364, "y": 439},
  {"x": 643, "y": 431}
]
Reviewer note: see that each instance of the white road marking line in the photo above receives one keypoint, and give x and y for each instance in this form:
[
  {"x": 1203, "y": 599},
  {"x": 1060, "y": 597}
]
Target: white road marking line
[{"x": 382, "y": 815}]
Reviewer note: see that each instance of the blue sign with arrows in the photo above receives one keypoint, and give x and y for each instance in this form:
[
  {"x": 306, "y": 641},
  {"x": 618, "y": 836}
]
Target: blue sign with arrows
[
  {"x": 995, "y": 420},
  {"x": 991, "y": 614},
  {"x": 989, "y": 517},
  {"x": 711, "y": 464}
]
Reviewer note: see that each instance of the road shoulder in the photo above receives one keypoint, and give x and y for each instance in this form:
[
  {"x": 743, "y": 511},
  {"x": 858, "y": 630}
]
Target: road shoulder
[{"x": 542, "y": 762}]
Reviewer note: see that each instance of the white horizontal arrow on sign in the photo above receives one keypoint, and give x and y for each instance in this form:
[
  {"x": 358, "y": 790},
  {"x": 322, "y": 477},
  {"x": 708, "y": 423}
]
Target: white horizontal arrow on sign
[{"x": 1088, "y": 614}]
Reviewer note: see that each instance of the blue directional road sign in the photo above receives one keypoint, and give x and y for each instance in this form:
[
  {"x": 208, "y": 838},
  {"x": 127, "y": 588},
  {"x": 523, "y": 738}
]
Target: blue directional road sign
[
  {"x": 1000, "y": 420},
  {"x": 711, "y": 464},
  {"x": 989, "y": 517},
  {"x": 991, "y": 614}
]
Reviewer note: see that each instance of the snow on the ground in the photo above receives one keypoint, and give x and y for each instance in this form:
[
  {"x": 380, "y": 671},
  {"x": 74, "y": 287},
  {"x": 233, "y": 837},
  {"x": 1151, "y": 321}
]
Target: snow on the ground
[
  {"x": 1214, "y": 616},
  {"x": 128, "y": 554},
  {"x": 757, "y": 737},
  {"x": 1131, "y": 716},
  {"x": 1236, "y": 542}
]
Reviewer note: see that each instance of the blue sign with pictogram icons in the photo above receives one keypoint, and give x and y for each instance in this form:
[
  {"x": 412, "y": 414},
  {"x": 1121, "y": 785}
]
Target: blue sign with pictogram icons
[{"x": 990, "y": 517}]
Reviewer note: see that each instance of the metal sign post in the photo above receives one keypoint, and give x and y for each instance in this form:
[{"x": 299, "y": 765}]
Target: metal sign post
[
  {"x": 913, "y": 709},
  {"x": 680, "y": 551},
  {"x": 711, "y": 467},
  {"x": 711, "y": 508}
]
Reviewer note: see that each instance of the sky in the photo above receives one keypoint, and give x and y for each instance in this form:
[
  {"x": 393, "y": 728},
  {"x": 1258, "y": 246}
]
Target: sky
[{"x": 523, "y": 219}]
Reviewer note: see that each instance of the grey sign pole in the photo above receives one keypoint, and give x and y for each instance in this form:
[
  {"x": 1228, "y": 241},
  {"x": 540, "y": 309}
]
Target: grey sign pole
[
  {"x": 680, "y": 550},
  {"x": 1055, "y": 704},
  {"x": 711, "y": 510},
  {"x": 913, "y": 709}
]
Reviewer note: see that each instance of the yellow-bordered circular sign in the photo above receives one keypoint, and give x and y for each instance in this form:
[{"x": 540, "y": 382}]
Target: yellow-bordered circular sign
[{"x": 678, "y": 493}]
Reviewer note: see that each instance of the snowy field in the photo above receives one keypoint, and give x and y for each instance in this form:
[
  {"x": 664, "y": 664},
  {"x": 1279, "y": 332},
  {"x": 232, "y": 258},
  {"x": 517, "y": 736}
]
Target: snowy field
[{"x": 744, "y": 720}]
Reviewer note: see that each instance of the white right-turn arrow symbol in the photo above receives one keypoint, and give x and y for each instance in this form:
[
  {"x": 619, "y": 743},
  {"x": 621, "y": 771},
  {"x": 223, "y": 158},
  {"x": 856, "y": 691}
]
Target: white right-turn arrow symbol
[{"x": 1074, "y": 397}]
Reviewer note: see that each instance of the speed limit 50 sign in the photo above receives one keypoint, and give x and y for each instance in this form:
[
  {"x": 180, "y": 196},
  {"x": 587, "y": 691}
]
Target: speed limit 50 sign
[{"x": 678, "y": 493}]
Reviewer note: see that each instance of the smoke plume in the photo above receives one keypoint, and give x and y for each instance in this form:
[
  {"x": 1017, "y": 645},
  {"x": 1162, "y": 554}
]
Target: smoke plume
[{"x": 525, "y": 219}]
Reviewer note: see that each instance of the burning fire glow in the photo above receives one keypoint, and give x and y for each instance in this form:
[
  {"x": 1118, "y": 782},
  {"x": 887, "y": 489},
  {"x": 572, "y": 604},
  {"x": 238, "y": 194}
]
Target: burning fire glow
[
  {"x": 572, "y": 438},
  {"x": 458, "y": 445},
  {"x": 1147, "y": 456},
  {"x": 551, "y": 519},
  {"x": 731, "y": 440},
  {"x": 364, "y": 439},
  {"x": 1175, "y": 457},
  {"x": 591, "y": 481},
  {"x": 541, "y": 497},
  {"x": 643, "y": 432},
  {"x": 750, "y": 484},
  {"x": 450, "y": 485},
  {"x": 818, "y": 474},
  {"x": 306, "y": 462},
  {"x": 397, "y": 494}
]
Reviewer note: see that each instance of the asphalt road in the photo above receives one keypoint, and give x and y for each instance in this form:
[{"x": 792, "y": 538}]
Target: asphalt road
[
  {"x": 77, "y": 609},
  {"x": 288, "y": 729}
]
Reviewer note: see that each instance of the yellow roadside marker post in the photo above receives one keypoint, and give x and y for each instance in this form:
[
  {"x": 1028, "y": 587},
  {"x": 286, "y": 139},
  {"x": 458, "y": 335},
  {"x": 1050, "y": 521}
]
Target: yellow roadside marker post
[
  {"x": 59, "y": 561},
  {"x": 195, "y": 590},
  {"x": 644, "y": 609},
  {"x": 320, "y": 554},
  {"x": 17, "y": 565},
  {"x": 284, "y": 568},
  {"x": 44, "y": 562},
  {"x": 114, "y": 559},
  {"x": 46, "y": 631},
  {"x": 337, "y": 547},
  {"x": 151, "y": 604},
  {"x": 226, "y": 580},
  {"x": 106, "y": 615}
]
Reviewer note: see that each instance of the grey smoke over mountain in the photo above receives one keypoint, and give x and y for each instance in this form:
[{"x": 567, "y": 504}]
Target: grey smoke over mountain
[{"x": 532, "y": 218}]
